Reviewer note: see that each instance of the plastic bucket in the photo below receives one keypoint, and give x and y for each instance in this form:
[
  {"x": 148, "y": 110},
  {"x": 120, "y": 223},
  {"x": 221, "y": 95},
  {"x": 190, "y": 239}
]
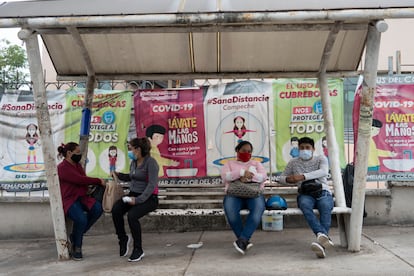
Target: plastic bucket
[{"x": 272, "y": 222}]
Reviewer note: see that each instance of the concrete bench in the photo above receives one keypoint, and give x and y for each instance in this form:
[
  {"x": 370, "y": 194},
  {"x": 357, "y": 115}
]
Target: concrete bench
[{"x": 207, "y": 200}]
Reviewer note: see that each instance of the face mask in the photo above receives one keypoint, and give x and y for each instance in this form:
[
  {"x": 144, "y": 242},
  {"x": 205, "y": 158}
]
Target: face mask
[
  {"x": 76, "y": 157},
  {"x": 305, "y": 154},
  {"x": 244, "y": 156},
  {"x": 131, "y": 155}
]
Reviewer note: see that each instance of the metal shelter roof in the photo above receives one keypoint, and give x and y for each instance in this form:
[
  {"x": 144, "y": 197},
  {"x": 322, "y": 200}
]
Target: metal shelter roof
[{"x": 179, "y": 39}]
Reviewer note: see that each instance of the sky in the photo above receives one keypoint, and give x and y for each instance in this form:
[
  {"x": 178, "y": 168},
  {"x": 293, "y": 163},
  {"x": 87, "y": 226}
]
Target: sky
[{"x": 11, "y": 33}]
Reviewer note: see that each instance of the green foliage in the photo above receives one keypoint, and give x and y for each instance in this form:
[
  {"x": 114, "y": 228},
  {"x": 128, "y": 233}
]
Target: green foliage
[{"x": 13, "y": 63}]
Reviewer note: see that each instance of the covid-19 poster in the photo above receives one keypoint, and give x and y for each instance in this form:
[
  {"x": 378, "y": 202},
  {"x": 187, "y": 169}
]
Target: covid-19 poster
[
  {"x": 391, "y": 144},
  {"x": 298, "y": 113}
]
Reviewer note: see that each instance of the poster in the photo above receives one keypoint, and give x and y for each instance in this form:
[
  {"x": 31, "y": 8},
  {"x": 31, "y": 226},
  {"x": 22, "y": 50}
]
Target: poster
[
  {"x": 173, "y": 121},
  {"x": 298, "y": 113},
  {"x": 111, "y": 114},
  {"x": 21, "y": 156},
  {"x": 234, "y": 112},
  {"x": 391, "y": 144}
]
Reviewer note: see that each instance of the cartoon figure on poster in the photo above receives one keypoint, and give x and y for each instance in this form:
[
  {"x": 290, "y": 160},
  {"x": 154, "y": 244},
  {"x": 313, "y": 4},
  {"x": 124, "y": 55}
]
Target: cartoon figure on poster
[
  {"x": 112, "y": 157},
  {"x": 294, "y": 147},
  {"x": 31, "y": 138},
  {"x": 239, "y": 121},
  {"x": 374, "y": 152},
  {"x": 239, "y": 128},
  {"x": 155, "y": 134}
]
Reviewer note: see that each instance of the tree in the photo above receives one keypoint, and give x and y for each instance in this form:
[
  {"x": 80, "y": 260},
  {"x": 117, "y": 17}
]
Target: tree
[{"x": 13, "y": 64}]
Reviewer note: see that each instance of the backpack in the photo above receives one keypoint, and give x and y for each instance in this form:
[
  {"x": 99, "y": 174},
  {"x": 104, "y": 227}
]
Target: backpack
[{"x": 348, "y": 182}]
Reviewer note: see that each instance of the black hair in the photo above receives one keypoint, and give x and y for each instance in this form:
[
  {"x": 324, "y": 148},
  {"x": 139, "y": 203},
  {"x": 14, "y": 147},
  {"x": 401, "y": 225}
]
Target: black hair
[
  {"x": 376, "y": 123},
  {"x": 294, "y": 138},
  {"x": 241, "y": 144},
  {"x": 113, "y": 147},
  {"x": 63, "y": 149},
  {"x": 307, "y": 140},
  {"x": 142, "y": 143},
  {"x": 154, "y": 129}
]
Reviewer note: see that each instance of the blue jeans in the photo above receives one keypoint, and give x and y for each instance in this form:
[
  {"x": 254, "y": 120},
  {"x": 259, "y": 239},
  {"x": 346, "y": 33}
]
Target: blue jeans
[
  {"x": 324, "y": 204},
  {"x": 82, "y": 219},
  {"x": 233, "y": 205}
]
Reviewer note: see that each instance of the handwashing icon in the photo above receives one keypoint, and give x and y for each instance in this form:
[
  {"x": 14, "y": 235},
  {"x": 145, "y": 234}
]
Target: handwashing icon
[{"x": 403, "y": 165}]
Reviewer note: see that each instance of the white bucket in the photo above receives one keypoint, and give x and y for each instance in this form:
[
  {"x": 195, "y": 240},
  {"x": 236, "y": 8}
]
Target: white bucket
[{"x": 272, "y": 222}]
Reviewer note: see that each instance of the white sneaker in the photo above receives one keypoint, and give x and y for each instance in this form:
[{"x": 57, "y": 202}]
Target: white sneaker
[
  {"x": 249, "y": 245},
  {"x": 318, "y": 250},
  {"x": 324, "y": 240}
]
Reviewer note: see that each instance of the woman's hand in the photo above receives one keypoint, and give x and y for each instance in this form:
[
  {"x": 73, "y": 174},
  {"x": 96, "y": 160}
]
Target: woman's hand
[
  {"x": 248, "y": 176},
  {"x": 295, "y": 178},
  {"x": 103, "y": 182},
  {"x": 132, "y": 202}
]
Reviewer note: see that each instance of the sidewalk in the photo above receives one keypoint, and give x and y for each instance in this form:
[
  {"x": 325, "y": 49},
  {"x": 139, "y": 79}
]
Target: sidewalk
[{"x": 385, "y": 250}]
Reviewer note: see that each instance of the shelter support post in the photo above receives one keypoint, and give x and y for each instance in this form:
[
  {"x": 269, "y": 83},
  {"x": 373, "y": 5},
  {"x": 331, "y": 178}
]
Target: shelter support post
[
  {"x": 335, "y": 166},
  {"x": 90, "y": 86},
  {"x": 45, "y": 129},
  {"x": 364, "y": 134},
  {"x": 86, "y": 118}
]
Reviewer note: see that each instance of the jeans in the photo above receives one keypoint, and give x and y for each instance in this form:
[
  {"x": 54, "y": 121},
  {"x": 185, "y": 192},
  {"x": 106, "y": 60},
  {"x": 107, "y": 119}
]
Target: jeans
[
  {"x": 135, "y": 212},
  {"x": 82, "y": 219},
  {"x": 324, "y": 204},
  {"x": 233, "y": 205}
]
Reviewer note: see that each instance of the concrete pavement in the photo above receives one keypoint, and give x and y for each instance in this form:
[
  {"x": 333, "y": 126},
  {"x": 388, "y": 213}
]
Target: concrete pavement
[{"x": 385, "y": 250}]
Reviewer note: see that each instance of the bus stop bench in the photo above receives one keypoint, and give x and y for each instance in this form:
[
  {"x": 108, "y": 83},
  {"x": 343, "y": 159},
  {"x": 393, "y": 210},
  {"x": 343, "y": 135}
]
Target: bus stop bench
[{"x": 207, "y": 200}]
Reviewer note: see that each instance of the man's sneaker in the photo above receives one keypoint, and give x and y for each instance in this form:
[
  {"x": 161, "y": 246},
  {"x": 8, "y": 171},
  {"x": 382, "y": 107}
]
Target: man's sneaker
[
  {"x": 136, "y": 255},
  {"x": 77, "y": 254},
  {"x": 324, "y": 240},
  {"x": 249, "y": 245},
  {"x": 318, "y": 250},
  {"x": 240, "y": 246},
  {"x": 124, "y": 245}
]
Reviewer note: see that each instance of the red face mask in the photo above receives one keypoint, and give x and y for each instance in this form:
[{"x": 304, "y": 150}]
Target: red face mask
[{"x": 244, "y": 156}]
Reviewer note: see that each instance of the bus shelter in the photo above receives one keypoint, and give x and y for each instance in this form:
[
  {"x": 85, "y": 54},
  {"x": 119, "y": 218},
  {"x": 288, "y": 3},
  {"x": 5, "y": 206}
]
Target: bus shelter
[{"x": 178, "y": 39}]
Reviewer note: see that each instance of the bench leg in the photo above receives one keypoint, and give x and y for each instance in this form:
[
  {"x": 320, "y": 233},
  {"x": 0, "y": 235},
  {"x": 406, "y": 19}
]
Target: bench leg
[{"x": 343, "y": 227}]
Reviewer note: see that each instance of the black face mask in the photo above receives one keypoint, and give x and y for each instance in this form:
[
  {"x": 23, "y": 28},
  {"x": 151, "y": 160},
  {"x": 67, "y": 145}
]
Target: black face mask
[{"x": 76, "y": 157}]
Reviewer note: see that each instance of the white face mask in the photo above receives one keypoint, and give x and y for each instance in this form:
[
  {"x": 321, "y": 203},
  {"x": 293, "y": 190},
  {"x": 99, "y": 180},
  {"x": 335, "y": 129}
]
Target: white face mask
[{"x": 305, "y": 154}]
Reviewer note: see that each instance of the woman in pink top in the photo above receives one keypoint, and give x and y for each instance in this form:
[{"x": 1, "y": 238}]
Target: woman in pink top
[{"x": 246, "y": 170}]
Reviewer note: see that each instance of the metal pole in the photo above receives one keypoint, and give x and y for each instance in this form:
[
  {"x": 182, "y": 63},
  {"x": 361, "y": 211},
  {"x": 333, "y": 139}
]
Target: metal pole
[
  {"x": 43, "y": 119},
  {"x": 390, "y": 69},
  {"x": 206, "y": 18},
  {"x": 90, "y": 87},
  {"x": 398, "y": 61},
  {"x": 328, "y": 118},
  {"x": 364, "y": 136},
  {"x": 86, "y": 118}
]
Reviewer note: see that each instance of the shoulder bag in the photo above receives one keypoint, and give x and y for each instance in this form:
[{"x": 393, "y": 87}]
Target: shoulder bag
[
  {"x": 311, "y": 187},
  {"x": 241, "y": 189},
  {"x": 113, "y": 192}
]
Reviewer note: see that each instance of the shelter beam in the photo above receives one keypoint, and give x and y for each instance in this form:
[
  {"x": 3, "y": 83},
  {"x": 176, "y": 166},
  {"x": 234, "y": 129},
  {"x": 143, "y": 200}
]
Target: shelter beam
[
  {"x": 330, "y": 129},
  {"x": 208, "y": 18},
  {"x": 45, "y": 129},
  {"x": 364, "y": 135},
  {"x": 90, "y": 86}
]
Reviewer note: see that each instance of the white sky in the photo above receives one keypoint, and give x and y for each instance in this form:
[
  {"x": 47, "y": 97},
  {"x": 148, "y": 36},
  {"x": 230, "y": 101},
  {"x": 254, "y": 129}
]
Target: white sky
[{"x": 11, "y": 33}]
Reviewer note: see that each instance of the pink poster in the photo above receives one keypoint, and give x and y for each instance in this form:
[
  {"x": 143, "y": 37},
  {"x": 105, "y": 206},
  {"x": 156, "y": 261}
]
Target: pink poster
[
  {"x": 392, "y": 142},
  {"x": 173, "y": 121}
]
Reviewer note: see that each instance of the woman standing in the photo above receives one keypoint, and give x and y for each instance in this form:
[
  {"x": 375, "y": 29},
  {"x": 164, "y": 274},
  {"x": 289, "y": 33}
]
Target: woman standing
[
  {"x": 142, "y": 198},
  {"x": 245, "y": 170},
  {"x": 82, "y": 209}
]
